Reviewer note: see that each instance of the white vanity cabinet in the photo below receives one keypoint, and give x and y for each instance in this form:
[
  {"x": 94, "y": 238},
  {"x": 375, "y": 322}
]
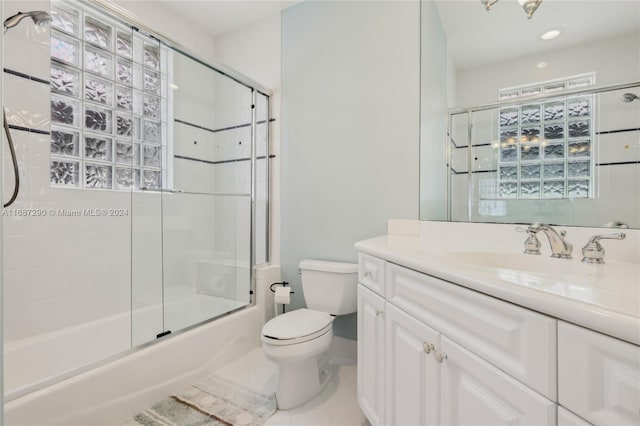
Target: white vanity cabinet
[
  {"x": 599, "y": 376},
  {"x": 429, "y": 376}
]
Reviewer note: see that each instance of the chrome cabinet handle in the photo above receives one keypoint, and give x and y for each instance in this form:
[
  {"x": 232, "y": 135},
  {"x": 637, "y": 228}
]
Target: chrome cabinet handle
[
  {"x": 368, "y": 275},
  {"x": 427, "y": 347},
  {"x": 439, "y": 356},
  {"x": 379, "y": 313}
]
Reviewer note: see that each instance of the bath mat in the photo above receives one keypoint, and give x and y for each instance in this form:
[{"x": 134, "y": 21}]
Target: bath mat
[{"x": 211, "y": 401}]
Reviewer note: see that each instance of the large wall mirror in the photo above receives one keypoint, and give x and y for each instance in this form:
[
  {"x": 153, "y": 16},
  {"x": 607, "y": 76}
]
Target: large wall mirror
[{"x": 521, "y": 126}]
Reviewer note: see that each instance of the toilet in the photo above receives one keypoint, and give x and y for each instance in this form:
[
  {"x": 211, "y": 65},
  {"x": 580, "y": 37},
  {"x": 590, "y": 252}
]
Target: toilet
[{"x": 299, "y": 341}]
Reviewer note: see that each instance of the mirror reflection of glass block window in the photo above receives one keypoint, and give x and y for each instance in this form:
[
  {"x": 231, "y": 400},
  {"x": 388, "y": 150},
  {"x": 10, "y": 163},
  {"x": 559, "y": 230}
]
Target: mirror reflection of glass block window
[
  {"x": 550, "y": 142},
  {"x": 107, "y": 95}
]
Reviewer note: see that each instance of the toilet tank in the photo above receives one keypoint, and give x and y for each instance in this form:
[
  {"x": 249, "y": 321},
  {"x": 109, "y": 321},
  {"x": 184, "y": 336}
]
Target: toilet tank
[{"x": 330, "y": 286}]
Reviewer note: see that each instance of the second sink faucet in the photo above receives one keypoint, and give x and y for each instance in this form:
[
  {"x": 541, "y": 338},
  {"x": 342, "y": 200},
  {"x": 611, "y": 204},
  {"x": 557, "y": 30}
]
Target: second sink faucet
[{"x": 560, "y": 248}]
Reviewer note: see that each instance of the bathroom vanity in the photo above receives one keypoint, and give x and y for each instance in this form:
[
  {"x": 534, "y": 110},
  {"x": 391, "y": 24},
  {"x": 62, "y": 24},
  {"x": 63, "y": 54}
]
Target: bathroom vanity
[{"x": 461, "y": 337}]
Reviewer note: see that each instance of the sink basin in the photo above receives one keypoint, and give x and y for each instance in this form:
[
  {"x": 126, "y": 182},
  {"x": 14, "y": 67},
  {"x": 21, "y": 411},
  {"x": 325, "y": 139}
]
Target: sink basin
[{"x": 520, "y": 262}]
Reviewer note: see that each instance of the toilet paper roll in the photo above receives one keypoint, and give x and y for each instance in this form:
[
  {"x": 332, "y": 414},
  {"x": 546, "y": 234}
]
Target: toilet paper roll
[{"x": 283, "y": 295}]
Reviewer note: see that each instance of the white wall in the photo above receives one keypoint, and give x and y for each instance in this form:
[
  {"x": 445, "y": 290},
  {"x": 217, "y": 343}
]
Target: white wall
[
  {"x": 614, "y": 60},
  {"x": 163, "y": 20},
  {"x": 350, "y": 85}
]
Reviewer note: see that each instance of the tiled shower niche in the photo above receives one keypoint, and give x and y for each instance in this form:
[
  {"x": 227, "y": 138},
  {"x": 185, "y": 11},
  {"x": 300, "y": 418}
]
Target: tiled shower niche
[
  {"x": 108, "y": 103},
  {"x": 545, "y": 149}
]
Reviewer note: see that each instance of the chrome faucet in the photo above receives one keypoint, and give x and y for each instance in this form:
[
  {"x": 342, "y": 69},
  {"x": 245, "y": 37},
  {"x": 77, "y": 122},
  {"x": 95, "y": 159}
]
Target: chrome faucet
[
  {"x": 560, "y": 248},
  {"x": 593, "y": 252}
]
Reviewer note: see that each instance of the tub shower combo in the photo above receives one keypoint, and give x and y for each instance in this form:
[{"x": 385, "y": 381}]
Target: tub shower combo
[{"x": 140, "y": 207}]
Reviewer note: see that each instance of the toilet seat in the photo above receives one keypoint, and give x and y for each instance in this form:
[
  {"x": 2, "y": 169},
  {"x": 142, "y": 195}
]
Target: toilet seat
[{"x": 296, "y": 326}]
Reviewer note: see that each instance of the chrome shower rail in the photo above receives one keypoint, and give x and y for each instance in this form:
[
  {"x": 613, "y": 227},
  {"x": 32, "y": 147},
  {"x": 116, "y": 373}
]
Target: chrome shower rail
[{"x": 520, "y": 100}]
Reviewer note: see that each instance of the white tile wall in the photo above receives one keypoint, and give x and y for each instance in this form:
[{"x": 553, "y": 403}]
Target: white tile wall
[
  {"x": 27, "y": 46},
  {"x": 26, "y": 103}
]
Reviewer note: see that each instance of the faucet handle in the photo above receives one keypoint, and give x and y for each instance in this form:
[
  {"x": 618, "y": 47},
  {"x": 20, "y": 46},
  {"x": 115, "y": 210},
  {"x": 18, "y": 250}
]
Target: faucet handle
[
  {"x": 532, "y": 243},
  {"x": 593, "y": 252}
]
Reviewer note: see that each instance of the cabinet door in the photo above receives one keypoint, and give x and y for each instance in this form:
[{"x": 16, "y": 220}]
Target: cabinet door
[
  {"x": 599, "y": 376},
  {"x": 411, "y": 371},
  {"x": 476, "y": 393},
  {"x": 567, "y": 418},
  {"x": 371, "y": 355}
]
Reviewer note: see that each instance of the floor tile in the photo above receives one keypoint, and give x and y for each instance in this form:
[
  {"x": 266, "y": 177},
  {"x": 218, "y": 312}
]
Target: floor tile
[
  {"x": 336, "y": 405},
  {"x": 313, "y": 413},
  {"x": 280, "y": 418}
]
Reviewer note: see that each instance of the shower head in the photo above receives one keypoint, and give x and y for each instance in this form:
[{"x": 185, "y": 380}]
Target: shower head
[
  {"x": 39, "y": 18},
  {"x": 629, "y": 97}
]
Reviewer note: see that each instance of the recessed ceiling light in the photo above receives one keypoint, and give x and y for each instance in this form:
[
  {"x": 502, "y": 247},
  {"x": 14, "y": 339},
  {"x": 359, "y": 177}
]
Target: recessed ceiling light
[
  {"x": 541, "y": 65},
  {"x": 551, "y": 34}
]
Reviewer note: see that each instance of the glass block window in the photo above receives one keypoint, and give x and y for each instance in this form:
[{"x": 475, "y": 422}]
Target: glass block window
[
  {"x": 545, "y": 147},
  {"x": 108, "y": 103}
]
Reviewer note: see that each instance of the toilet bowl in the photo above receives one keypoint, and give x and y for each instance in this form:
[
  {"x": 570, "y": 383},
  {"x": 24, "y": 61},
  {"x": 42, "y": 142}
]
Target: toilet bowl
[{"x": 299, "y": 341}]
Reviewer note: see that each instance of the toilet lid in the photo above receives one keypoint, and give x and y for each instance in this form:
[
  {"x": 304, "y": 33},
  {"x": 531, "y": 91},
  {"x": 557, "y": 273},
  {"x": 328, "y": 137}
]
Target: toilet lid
[{"x": 295, "y": 324}]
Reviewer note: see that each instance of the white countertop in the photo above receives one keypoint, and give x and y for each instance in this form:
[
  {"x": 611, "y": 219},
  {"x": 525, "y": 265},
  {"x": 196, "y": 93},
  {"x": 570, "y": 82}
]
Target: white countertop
[{"x": 604, "y": 298}]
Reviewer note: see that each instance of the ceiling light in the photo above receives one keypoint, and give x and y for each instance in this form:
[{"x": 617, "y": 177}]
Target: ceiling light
[
  {"x": 529, "y": 6},
  {"x": 541, "y": 65},
  {"x": 551, "y": 34},
  {"x": 488, "y": 3}
]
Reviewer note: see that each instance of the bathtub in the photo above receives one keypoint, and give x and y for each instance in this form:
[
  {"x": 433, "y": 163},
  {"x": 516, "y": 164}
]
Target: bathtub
[
  {"x": 106, "y": 392},
  {"x": 36, "y": 361}
]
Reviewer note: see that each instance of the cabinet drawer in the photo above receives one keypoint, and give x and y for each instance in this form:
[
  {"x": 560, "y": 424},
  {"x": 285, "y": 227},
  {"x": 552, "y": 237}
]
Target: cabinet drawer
[
  {"x": 371, "y": 272},
  {"x": 516, "y": 340},
  {"x": 598, "y": 376}
]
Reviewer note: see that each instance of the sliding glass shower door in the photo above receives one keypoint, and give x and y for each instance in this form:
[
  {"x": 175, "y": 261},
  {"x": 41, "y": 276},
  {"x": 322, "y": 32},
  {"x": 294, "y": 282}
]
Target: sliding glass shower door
[
  {"x": 192, "y": 216},
  {"x": 206, "y": 209}
]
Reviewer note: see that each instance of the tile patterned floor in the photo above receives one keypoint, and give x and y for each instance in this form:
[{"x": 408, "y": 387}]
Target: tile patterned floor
[{"x": 336, "y": 405}]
